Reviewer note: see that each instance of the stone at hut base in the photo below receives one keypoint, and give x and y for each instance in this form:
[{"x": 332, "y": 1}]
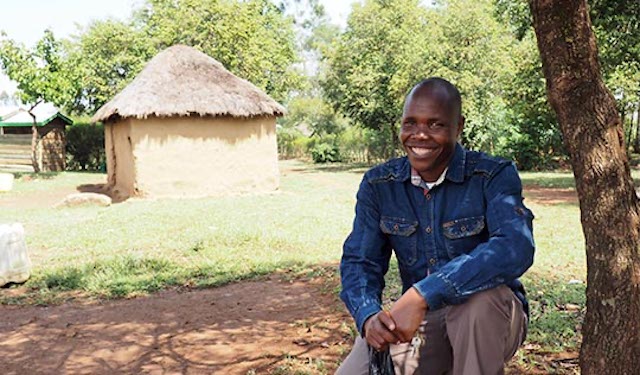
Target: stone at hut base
[{"x": 85, "y": 199}]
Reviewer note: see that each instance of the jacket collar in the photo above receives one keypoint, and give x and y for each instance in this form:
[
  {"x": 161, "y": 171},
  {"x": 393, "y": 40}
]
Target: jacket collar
[{"x": 457, "y": 165}]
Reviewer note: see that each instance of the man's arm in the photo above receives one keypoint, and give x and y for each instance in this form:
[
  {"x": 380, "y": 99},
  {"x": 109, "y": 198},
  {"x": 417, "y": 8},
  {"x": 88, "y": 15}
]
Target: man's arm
[{"x": 365, "y": 259}]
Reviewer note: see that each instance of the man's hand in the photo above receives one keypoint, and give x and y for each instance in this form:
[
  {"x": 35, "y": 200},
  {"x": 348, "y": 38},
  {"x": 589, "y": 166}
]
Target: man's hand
[
  {"x": 408, "y": 312},
  {"x": 378, "y": 331}
]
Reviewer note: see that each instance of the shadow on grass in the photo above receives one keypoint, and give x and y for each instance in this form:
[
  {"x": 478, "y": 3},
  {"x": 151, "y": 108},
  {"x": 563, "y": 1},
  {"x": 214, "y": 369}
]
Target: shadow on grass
[
  {"x": 35, "y": 176},
  {"x": 547, "y": 180},
  {"x": 127, "y": 276},
  {"x": 358, "y": 168}
]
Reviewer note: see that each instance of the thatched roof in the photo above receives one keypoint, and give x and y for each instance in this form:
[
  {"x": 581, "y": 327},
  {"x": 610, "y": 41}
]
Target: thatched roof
[{"x": 182, "y": 81}]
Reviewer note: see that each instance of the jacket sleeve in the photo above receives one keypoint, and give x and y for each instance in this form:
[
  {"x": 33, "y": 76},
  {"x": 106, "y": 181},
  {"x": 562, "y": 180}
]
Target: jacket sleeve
[
  {"x": 365, "y": 259},
  {"x": 504, "y": 257}
]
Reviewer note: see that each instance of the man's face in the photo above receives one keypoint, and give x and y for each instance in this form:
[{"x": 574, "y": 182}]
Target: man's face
[{"x": 430, "y": 129}]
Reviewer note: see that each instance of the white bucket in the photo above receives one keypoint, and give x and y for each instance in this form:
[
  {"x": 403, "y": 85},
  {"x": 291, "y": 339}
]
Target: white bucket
[
  {"x": 15, "y": 266},
  {"x": 6, "y": 181}
]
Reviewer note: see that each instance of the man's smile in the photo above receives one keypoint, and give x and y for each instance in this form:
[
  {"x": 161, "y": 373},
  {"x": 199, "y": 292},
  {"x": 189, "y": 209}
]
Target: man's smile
[{"x": 420, "y": 151}]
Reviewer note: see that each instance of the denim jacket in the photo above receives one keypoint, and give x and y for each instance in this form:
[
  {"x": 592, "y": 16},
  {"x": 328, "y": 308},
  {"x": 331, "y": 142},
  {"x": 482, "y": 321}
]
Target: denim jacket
[{"x": 466, "y": 235}]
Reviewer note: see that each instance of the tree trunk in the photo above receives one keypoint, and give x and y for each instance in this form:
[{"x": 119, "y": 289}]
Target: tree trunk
[
  {"x": 34, "y": 140},
  {"x": 636, "y": 146},
  {"x": 610, "y": 213}
]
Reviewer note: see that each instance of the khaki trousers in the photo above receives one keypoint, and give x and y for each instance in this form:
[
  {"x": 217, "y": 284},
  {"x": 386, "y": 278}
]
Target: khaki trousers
[{"x": 475, "y": 338}]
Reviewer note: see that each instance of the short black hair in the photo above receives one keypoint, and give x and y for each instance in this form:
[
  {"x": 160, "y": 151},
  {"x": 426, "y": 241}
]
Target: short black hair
[{"x": 440, "y": 84}]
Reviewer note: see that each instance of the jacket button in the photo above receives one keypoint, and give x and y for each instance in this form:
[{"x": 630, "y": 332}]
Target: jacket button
[
  {"x": 428, "y": 229},
  {"x": 432, "y": 261},
  {"x": 428, "y": 196}
]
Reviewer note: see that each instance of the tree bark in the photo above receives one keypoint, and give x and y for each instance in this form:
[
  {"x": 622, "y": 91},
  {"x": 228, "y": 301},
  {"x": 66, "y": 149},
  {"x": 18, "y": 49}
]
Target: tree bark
[
  {"x": 636, "y": 146},
  {"x": 34, "y": 139},
  {"x": 610, "y": 213}
]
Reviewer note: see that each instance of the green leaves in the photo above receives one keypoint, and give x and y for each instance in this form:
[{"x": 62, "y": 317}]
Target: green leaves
[
  {"x": 391, "y": 45},
  {"x": 252, "y": 38},
  {"x": 40, "y": 72}
]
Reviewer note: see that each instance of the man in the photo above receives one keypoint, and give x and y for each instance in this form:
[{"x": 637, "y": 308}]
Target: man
[{"x": 461, "y": 235}]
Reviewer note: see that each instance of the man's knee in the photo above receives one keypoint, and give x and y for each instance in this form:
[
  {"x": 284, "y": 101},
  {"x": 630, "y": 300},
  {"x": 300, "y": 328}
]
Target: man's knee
[{"x": 493, "y": 304}]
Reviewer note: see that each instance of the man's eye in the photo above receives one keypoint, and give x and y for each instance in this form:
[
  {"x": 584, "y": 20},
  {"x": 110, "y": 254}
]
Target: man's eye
[{"x": 437, "y": 125}]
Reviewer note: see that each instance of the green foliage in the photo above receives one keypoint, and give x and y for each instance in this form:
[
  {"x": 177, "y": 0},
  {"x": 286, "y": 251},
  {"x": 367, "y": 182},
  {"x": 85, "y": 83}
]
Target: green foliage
[
  {"x": 105, "y": 56},
  {"x": 373, "y": 64},
  {"x": 85, "y": 147},
  {"x": 41, "y": 72},
  {"x": 252, "y": 38},
  {"x": 534, "y": 140},
  {"x": 389, "y": 46},
  {"x": 314, "y": 115},
  {"x": 325, "y": 152}
]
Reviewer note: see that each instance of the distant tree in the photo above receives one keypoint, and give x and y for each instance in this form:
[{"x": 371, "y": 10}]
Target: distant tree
[
  {"x": 252, "y": 38},
  {"x": 41, "y": 75},
  {"x": 617, "y": 28},
  {"x": 610, "y": 210},
  {"x": 371, "y": 65},
  {"x": 105, "y": 56},
  {"x": 389, "y": 45}
]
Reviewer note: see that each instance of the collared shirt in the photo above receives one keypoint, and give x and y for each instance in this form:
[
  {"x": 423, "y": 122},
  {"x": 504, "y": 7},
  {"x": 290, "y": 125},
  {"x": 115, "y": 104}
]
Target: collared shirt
[
  {"x": 416, "y": 180},
  {"x": 467, "y": 234}
]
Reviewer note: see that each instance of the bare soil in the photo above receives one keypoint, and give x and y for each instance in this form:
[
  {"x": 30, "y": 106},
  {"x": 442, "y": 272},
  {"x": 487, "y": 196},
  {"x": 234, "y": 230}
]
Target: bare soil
[{"x": 266, "y": 326}]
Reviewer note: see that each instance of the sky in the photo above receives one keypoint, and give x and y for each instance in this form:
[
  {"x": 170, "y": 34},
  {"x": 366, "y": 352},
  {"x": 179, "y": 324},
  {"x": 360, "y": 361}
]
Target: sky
[{"x": 25, "y": 20}]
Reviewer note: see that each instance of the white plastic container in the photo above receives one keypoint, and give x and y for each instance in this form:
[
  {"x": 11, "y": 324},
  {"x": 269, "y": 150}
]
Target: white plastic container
[
  {"x": 15, "y": 266},
  {"x": 6, "y": 181}
]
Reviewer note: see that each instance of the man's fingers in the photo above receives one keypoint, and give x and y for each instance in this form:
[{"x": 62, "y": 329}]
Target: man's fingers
[
  {"x": 386, "y": 319},
  {"x": 378, "y": 332}
]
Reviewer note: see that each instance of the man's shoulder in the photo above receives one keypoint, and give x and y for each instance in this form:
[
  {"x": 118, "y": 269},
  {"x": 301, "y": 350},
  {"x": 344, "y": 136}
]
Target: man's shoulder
[
  {"x": 396, "y": 169},
  {"x": 483, "y": 163}
]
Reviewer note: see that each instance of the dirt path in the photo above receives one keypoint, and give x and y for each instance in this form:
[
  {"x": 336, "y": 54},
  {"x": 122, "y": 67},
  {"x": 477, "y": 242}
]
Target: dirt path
[{"x": 270, "y": 326}]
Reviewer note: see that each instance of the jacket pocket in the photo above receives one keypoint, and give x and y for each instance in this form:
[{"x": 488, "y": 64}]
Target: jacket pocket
[
  {"x": 402, "y": 235},
  {"x": 463, "y": 235}
]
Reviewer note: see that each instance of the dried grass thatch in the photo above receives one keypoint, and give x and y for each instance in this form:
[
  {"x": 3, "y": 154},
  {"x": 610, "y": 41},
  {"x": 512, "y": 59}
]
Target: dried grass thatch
[{"x": 182, "y": 81}]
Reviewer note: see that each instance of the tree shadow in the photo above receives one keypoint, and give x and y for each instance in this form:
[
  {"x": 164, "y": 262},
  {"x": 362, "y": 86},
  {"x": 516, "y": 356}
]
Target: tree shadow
[{"x": 250, "y": 326}]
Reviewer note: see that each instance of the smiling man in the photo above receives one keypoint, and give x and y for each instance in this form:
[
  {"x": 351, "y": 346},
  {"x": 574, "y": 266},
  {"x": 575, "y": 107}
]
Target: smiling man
[{"x": 456, "y": 222}]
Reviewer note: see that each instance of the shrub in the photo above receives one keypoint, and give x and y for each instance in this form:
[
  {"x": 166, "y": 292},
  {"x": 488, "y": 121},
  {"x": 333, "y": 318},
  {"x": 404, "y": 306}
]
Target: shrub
[
  {"x": 325, "y": 152},
  {"x": 85, "y": 147}
]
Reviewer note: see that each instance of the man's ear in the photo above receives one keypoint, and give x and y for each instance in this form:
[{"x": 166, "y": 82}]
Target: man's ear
[{"x": 460, "y": 126}]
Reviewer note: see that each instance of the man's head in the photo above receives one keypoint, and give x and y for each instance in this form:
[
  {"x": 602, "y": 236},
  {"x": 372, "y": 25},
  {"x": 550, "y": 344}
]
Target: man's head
[{"x": 431, "y": 125}]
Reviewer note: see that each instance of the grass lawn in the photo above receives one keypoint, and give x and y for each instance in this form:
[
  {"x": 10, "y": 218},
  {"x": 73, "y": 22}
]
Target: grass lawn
[{"x": 140, "y": 246}]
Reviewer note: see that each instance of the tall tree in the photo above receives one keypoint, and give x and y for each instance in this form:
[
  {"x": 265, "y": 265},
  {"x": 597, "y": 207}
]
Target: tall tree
[
  {"x": 610, "y": 211},
  {"x": 252, "y": 38},
  {"x": 389, "y": 45},
  {"x": 105, "y": 56}
]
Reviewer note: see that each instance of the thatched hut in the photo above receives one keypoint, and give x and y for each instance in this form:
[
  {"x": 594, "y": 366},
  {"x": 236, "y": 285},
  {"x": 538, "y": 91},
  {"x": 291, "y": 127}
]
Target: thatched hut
[{"x": 186, "y": 126}]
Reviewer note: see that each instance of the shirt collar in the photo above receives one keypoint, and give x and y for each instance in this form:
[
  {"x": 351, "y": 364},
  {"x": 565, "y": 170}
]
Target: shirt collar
[
  {"x": 454, "y": 171},
  {"x": 417, "y": 180}
]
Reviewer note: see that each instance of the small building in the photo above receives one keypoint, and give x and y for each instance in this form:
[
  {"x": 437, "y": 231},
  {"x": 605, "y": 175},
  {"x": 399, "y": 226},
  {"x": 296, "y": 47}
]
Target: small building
[
  {"x": 187, "y": 127},
  {"x": 16, "y": 136}
]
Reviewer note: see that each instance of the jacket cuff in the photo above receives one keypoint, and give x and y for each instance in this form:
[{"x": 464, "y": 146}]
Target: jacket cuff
[
  {"x": 435, "y": 289},
  {"x": 363, "y": 314}
]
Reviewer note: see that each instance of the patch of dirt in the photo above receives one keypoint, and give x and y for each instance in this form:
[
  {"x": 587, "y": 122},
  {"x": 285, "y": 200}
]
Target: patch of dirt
[
  {"x": 549, "y": 196},
  {"x": 251, "y": 327}
]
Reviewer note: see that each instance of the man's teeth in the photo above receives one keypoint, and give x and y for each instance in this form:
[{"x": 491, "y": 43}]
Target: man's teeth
[{"x": 420, "y": 151}]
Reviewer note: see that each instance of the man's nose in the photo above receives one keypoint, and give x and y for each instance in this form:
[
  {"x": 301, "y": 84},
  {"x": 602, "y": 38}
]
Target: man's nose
[{"x": 422, "y": 131}]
